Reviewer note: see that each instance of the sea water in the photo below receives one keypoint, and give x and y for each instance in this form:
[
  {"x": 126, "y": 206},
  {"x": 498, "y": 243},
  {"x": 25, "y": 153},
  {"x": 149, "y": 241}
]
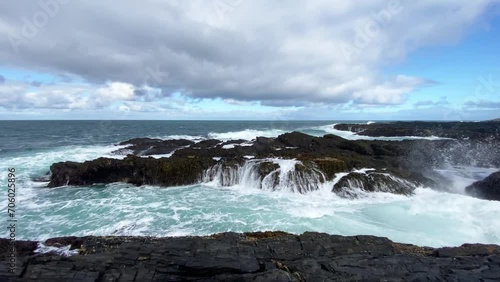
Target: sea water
[{"x": 429, "y": 217}]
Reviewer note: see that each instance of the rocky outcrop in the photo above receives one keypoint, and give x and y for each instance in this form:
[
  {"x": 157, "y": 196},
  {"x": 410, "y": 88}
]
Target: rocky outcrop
[
  {"x": 488, "y": 189},
  {"x": 149, "y": 147},
  {"x": 293, "y": 161},
  {"x": 456, "y": 130},
  {"x": 372, "y": 181},
  {"x": 268, "y": 256},
  {"x": 308, "y": 162},
  {"x": 132, "y": 169}
]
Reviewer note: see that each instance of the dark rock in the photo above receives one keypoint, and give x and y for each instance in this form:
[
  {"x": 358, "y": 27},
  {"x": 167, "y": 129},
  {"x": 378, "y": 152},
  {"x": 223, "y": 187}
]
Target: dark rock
[
  {"x": 488, "y": 188},
  {"x": 264, "y": 256},
  {"x": 207, "y": 144},
  {"x": 372, "y": 181},
  {"x": 321, "y": 158},
  {"x": 148, "y": 147},
  {"x": 132, "y": 169},
  {"x": 456, "y": 130}
]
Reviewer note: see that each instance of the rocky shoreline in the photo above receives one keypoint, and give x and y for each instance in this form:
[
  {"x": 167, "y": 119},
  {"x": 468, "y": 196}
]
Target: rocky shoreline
[
  {"x": 268, "y": 256},
  {"x": 295, "y": 161},
  {"x": 455, "y": 130}
]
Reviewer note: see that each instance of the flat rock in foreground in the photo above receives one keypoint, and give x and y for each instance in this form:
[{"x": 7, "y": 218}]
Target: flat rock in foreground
[{"x": 269, "y": 256}]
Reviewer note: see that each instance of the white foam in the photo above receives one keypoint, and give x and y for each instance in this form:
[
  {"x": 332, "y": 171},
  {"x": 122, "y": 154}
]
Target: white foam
[
  {"x": 161, "y": 156},
  {"x": 462, "y": 176},
  {"x": 349, "y": 135},
  {"x": 364, "y": 170},
  {"x": 195, "y": 138},
  {"x": 60, "y": 251},
  {"x": 247, "y": 134}
]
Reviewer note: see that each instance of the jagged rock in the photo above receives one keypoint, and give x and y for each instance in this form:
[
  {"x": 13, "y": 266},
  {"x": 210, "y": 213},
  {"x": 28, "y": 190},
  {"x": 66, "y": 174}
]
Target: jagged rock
[
  {"x": 488, "y": 188},
  {"x": 132, "y": 169},
  {"x": 456, "y": 130},
  {"x": 321, "y": 158},
  {"x": 262, "y": 256},
  {"x": 372, "y": 181},
  {"x": 330, "y": 166}
]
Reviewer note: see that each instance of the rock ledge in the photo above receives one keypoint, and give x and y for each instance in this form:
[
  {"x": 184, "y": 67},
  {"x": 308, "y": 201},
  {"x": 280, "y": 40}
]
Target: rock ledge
[{"x": 267, "y": 256}]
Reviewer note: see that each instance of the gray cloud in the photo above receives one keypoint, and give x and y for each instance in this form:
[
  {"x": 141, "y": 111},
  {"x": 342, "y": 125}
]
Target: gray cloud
[
  {"x": 36, "y": 83},
  {"x": 283, "y": 53},
  {"x": 2, "y": 79}
]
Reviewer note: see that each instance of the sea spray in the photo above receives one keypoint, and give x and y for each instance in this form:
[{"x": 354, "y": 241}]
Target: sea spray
[{"x": 267, "y": 174}]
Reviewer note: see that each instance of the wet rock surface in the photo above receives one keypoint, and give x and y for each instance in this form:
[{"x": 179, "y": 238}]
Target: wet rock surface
[
  {"x": 372, "y": 181},
  {"x": 319, "y": 159},
  {"x": 268, "y": 256},
  {"x": 149, "y": 147},
  {"x": 488, "y": 189},
  {"x": 456, "y": 130}
]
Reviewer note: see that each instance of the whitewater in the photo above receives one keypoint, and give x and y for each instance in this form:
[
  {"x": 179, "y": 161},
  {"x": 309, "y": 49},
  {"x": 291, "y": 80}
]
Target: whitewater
[{"x": 429, "y": 217}]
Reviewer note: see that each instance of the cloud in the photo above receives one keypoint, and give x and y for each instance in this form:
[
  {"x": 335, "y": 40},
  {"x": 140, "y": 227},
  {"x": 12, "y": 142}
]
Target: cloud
[
  {"x": 2, "y": 79},
  {"x": 442, "y": 102},
  {"x": 36, "y": 83},
  {"x": 70, "y": 96},
  {"x": 282, "y": 53},
  {"x": 483, "y": 104}
]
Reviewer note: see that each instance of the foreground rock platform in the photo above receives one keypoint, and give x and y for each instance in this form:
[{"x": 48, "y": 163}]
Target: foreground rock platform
[{"x": 268, "y": 256}]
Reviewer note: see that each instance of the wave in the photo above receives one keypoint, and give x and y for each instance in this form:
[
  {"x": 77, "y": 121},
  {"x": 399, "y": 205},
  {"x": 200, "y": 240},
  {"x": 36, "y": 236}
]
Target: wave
[
  {"x": 34, "y": 164},
  {"x": 195, "y": 138},
  {"x": 349, "y": 135},
  {"x": 428, "y": 218},
  {"x": 248, "y": 198},
  {"x": 247, "y": 134}
]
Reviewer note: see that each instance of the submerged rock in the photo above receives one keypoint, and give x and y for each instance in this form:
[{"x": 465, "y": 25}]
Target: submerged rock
[
  {"x": 488, "y": 189},
  {"x": 261, "y": 256},
  {"x": 372, "y": 181}
]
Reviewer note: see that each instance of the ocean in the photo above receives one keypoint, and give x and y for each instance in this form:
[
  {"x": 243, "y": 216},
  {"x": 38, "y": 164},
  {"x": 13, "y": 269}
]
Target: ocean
[{"x": 430, "y": 217}]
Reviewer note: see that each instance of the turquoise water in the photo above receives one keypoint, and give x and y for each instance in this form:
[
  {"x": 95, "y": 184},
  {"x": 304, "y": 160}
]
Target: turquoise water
[{"x": 428, "y": 218}]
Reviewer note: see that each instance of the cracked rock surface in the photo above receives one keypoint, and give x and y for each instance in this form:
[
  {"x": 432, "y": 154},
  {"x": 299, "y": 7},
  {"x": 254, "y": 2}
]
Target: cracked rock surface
[{"x": 268, "y": 256}]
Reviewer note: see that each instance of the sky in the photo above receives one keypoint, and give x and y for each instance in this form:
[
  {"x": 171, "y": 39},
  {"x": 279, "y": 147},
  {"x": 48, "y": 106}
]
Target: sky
[{"x": 250, "y": 60}]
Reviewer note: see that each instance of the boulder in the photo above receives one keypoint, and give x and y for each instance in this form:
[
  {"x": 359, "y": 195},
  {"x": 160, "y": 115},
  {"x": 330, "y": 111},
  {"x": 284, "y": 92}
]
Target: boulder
[
  {"x": 488, "y": 189},
  {"x": 350, "y": 185}
]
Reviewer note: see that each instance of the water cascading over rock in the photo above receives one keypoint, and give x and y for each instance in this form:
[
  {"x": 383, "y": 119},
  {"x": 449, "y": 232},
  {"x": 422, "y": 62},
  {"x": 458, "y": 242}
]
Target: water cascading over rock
[
  {"x": 268, "y": 174},
  {"x": 350, "y": 185}
]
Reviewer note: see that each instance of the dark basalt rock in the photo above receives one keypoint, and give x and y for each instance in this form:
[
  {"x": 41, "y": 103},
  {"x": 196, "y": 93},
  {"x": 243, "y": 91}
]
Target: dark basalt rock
[
  {"x": 262, "y": 256},
  {"x": 456, "y": 130},
  {"x": 132, "y": 169},
  {"x": 148, "y": 147},
  {"x": 372, "y": 181},
  {"x": 488, "y": 188},
  {"x": 411, "y": 160}
]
